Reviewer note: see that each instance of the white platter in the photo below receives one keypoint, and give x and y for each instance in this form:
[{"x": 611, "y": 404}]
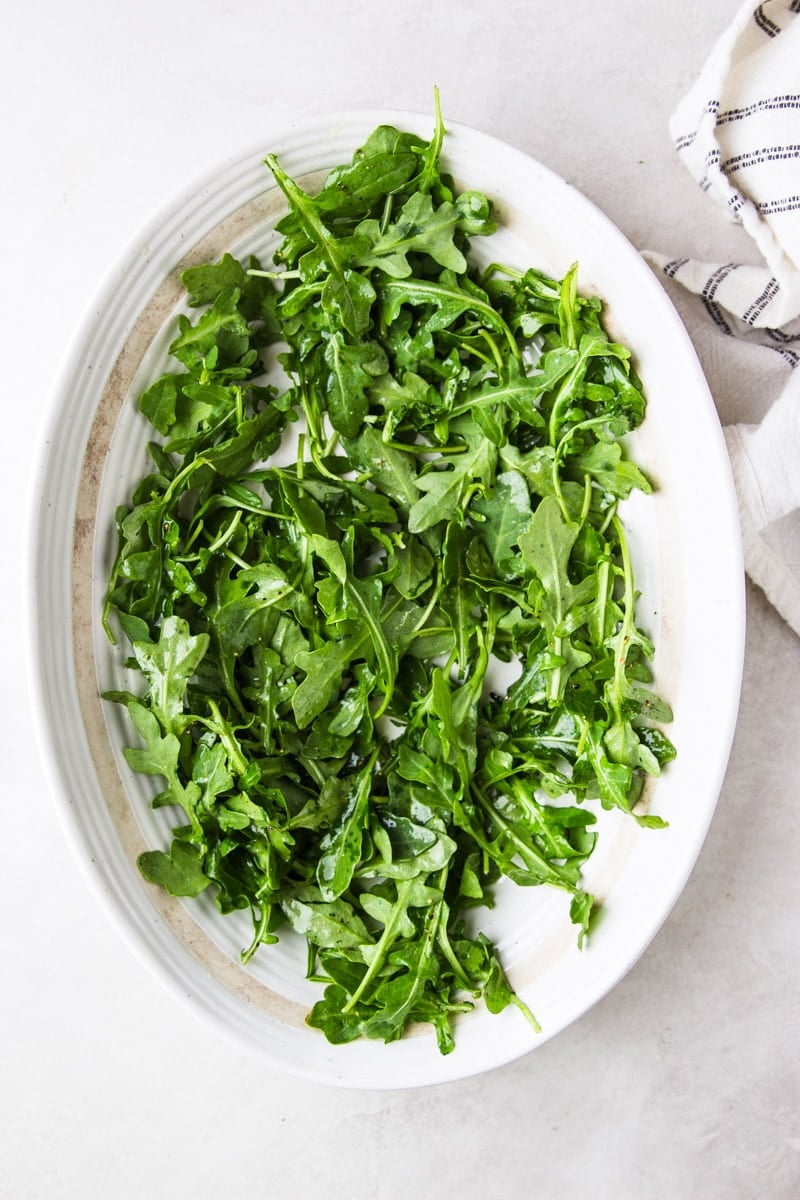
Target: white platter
[{"x": 687, "y": 553}]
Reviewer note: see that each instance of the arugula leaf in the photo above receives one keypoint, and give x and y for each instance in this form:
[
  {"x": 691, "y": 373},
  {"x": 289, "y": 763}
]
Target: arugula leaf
[
  {"x": 223, "y": 318},
  {"x": 352, "y": 370},
  {"x": 604, "y": 462},
  {"x": 507, "y": 515},
  {"x": 180, "y": 872},
  {"x": 168, "y": 665},
  {"x": 324, "y": 669},
  {"x": 160, "y": 755},
  {"x": 330, "y": 926},
  {"x": 388, "y": 467},
  {"x": 419, "y": 229},
  {"x": 447, "y": 490},
  {"x": 340, "y": 849}
]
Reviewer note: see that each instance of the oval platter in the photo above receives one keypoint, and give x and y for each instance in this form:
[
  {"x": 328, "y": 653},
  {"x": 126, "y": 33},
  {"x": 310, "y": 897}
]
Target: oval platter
[{"x": 685, "y": 543}]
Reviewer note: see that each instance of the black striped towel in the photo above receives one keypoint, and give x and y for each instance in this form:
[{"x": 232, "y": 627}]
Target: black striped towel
[{"x": 738, "y": 132}]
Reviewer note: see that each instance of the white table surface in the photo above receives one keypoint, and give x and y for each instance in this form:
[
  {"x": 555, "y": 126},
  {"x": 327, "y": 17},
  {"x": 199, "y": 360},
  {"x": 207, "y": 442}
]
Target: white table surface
[{"x": 683, "y": 1082}]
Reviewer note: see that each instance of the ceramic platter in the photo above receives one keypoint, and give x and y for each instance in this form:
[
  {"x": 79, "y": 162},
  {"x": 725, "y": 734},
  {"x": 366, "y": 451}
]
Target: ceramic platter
[{"x": 686, "y": 549}]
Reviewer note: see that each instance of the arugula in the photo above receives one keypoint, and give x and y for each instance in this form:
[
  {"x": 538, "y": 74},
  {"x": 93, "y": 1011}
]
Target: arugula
[{"x": 314, "y": 640}]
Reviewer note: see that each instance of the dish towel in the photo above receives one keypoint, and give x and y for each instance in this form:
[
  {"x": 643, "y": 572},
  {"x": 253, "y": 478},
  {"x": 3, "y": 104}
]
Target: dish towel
[{"x": 738, "y": 133}]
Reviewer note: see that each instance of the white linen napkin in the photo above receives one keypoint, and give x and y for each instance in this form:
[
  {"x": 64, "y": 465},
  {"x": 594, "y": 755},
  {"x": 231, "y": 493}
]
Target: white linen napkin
[{"x": 738, "y": 132}]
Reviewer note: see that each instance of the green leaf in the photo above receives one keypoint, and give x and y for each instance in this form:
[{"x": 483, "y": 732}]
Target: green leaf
[
  {"x": 168, "y": 665},
  {"x": 581, "y": 911},
  {"x": 546, "y": 546},
  {"x": 446, "y": 296},
  {"x": 348, "y": 299},
  {"x": 458, "y": 597},
  {"x": 352, "y": 369},
  {"x": 210, "y": 771},
  {"x": 323, "y": 669},
  {"x": 327, "y": 1014},
  {"x": 390, "y": 469},
  {"x": 196, "y": 340},
  {"x": 366, "y": 597},
  {"x": 255, "y": 591},
  {"x": 340, "y": 849},
  {"x": 206, "y": 281},
  {"x": 180, "y": 872},
  {"x": 507, "y": 514},
  {"x": 367, "y": 179},
  {"x": 419, "y": 228},
  {"x": 334, "y": 925},
  {"x": 392, "y": 915},
  {"x": 160, "y": 755},
  {"x": 446, "y": 491},
  {"x": 604, "y": 462},
  {"x": 158, "y": 403},
  {"x": 410, "y": 850},
  {"x": 354, "y": 705},
  {"x": 415, "y": 568}
]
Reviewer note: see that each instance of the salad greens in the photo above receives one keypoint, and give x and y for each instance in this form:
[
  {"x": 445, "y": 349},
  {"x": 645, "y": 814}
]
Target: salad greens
[{"x": 319, "y": 642}]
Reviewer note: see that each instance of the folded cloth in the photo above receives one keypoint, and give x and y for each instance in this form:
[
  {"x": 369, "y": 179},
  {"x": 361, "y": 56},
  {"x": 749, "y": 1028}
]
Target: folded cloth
[{"x": 738, "y": 133}]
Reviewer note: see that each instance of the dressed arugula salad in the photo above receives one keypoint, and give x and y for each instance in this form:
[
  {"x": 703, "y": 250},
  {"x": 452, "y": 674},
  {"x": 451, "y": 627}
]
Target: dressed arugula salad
[{"x": 407, "y": 663}]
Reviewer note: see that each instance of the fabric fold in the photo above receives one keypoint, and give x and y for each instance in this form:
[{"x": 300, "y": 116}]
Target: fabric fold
[{"x": 738, "y": 133}]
